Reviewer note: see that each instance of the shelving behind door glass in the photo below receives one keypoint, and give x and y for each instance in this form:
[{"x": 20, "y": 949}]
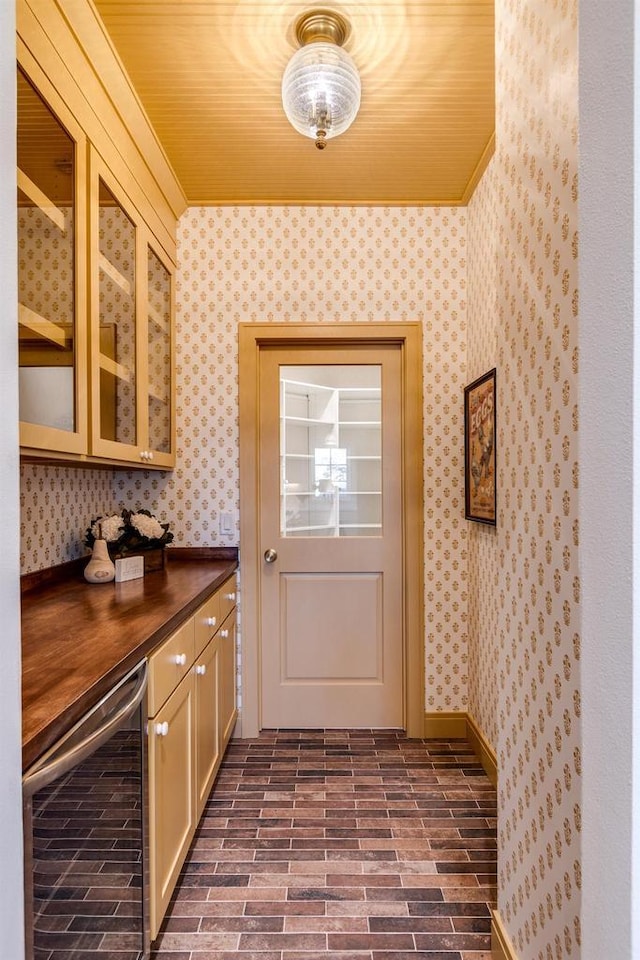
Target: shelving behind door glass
[
  {"x": 331, "y": 453},
  {"x": 51, "y": 163}
]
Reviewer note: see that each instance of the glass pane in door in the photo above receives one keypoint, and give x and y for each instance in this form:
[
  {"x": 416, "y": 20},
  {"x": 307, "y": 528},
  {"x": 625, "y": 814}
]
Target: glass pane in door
[
  {"x": 159, "y": 353},
  {"x": 331, "y": 451},
  {"x": 116, "y": 264},
  {"x": 46, "y": 275}
]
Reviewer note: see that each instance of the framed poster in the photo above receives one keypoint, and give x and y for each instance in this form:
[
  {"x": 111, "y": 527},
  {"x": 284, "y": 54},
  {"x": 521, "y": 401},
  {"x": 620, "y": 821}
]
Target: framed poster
[{"x": 480, "y": 449}]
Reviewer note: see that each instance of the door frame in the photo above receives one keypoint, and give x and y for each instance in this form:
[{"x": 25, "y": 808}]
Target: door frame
[{"x": 408, "y": 337}]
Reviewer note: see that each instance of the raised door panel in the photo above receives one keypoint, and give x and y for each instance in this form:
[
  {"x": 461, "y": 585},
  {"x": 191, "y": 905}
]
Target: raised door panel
[
  {"x": 208, "y": 753},
  {"x": 172, "y": 806}
]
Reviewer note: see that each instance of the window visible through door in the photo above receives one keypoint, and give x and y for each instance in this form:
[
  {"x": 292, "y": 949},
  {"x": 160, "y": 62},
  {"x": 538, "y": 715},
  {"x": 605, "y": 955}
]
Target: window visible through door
[{"x": 331, "y": 450}]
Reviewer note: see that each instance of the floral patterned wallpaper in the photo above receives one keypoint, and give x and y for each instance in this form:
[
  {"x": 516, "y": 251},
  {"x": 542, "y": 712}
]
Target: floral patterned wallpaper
[
  {"x": 524, "y": 588},
  {"x": 494, "y": 284},
  {"x": 301, "y": 264}
]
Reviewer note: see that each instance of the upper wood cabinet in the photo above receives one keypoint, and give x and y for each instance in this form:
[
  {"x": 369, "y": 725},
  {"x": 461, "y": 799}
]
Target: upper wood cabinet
[
  {"x": 51, "y": 151},
  {"x": 131, "y": 296},
  {"x": 97, "y": 214}
]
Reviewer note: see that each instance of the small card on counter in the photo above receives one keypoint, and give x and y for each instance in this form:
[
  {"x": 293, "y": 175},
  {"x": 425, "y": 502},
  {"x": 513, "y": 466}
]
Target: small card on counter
[{"x": 129, "y": 568}]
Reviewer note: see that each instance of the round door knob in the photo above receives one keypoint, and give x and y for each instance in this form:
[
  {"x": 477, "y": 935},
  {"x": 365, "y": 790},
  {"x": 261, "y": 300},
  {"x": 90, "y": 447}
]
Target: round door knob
[
  {"x": 201, "y": 669},
  {"x": 230, "y": 596},
  {"x": 162, "y": 729},
  {"x": 180, "y": 659},
  {"x": 270, "y": 555},
  {"x": 224, "y": 633},
  {"x": 211, "y": 621}
]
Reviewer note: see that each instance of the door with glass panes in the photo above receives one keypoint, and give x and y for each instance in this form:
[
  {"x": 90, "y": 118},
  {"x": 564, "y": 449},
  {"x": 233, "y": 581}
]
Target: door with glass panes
[{"x": 330, "y": 455}]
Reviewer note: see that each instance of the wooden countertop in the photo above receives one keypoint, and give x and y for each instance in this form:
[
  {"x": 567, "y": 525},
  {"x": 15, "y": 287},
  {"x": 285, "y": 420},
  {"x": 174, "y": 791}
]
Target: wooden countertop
[{"x": 79, "y": 639}]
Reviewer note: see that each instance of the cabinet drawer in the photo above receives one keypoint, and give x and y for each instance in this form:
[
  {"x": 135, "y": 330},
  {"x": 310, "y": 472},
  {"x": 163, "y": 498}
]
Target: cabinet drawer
[
  {"x": 228, "y": 593},
  {"x": 207, "y": 620},
  {"x": 169, "y": 664}
]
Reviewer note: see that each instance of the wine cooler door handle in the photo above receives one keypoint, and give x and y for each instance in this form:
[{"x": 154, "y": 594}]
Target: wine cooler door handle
[{"x": 90, "y": 732}]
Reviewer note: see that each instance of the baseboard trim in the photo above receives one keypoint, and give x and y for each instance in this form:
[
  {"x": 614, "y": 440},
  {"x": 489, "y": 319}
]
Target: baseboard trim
[
  {"x": 483, "y": 750},
  {"x": 442, "y": 725},
  {"x": 501, "y": 945},
  {"x": 459, "y": 724}
]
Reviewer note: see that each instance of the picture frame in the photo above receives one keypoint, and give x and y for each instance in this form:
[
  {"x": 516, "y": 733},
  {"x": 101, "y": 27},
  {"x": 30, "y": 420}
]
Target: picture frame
[{"x": 480, "y": 479}]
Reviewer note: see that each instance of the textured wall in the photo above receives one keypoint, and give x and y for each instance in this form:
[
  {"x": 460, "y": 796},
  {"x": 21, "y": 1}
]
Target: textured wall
[
  {"x": 337, "y": 264},
  {"x": 525, "y": 594},
  {"x": 292, "y": 264}
]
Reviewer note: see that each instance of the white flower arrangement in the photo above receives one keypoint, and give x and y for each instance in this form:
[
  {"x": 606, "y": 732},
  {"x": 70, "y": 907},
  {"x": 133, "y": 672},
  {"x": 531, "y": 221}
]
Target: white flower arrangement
[
  {"x": 147, "y": 526},
  {"x": 107, "y": 528},
  {"x": 128, "y": 532}
]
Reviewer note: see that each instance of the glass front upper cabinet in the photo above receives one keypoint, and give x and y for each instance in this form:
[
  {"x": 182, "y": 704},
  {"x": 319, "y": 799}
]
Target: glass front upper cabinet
[
  {"x": 159, "y": 354},
  {"x": 51, "y": 154},
  {"x": 131, "y": 335}
]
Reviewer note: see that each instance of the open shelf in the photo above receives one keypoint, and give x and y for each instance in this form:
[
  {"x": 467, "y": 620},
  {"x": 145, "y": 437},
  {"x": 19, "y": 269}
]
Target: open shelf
[{"x": 331, "y": 465}]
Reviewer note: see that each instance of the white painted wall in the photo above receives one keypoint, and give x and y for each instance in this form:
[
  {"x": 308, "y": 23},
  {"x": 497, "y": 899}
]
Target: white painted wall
[
  {"x": 11, "y": 912},
  {"x": 610, "y": 537}
]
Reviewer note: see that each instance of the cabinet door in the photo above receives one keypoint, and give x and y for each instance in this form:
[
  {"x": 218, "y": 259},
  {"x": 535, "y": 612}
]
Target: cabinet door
[
  {"x": 207, "y": 736},
  {"x": 158, "y": 401},
  {"x": 228, "y": 594},
  {"x": 172, "y": 807},
  {"x": 207, "y": 621},
  {"x": 114, "y": 340},
  {"x": 51, "y": 153},
  {"x": 227, "y": 685},
  {"x": 169, "y": 664},
  {"x": 131, "y": 332}
]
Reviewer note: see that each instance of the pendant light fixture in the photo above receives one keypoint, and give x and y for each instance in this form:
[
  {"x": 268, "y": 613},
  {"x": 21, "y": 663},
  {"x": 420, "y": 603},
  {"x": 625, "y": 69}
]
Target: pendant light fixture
[{"x": 321, "y": 84}]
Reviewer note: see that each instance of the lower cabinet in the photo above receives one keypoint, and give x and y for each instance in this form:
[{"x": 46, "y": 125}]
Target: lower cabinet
[
  {"x": 228, "y": 711},
  {"x": 195, "y": 672},
  {"x": 172, "y": 808},
  {"x": 208, "y": 677}
]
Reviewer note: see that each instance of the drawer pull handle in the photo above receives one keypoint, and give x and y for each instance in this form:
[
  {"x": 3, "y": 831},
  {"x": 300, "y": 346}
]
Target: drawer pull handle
[
  {"x": 224, "y": 633},
  {"x": 230, "y": 596},
  {"x": 161, "y": 729},
  {"x": 180, "y": 659},
  {"x": 211, "y": 621},
  {"x": 201, "y": 669}
]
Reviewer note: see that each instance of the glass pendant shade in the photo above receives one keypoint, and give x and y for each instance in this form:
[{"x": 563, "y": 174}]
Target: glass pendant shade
[{"x": 321, "y": 91}]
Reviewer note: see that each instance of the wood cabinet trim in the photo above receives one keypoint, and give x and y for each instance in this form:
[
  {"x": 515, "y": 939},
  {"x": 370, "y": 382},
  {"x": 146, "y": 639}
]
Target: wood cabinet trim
[
  {"x": 70, "y": 42},
  {"x": 65, "y": 51}
]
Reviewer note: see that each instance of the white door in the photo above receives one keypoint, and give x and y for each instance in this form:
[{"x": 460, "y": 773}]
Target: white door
[{"x": 330, "y": 532}]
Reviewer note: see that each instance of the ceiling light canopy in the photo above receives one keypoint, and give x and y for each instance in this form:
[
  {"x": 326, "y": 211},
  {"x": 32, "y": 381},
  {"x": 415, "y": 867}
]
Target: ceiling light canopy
[{"x": 321, "y": 84}]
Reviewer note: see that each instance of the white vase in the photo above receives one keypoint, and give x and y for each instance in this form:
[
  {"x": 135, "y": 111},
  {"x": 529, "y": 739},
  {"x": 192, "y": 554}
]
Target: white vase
[{"x": 100, "y": 568}]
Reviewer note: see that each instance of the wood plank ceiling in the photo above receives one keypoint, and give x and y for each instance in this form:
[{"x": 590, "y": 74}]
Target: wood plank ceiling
[{"x": 208, "y": 74}]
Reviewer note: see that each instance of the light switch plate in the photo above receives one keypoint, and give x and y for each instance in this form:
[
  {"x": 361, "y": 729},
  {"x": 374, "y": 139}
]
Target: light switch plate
[
  {"x": 226, "y": 524},
  {"x": 129, "y": 568}
]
